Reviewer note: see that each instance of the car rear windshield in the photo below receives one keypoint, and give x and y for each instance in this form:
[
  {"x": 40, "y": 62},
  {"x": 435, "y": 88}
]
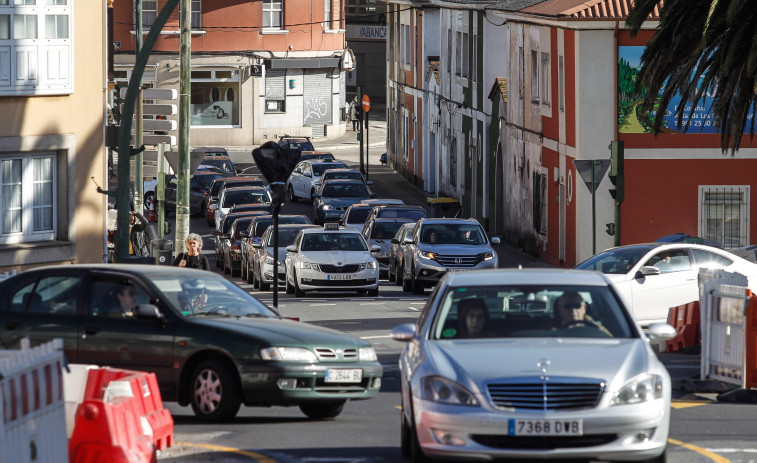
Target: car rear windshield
[
  {"x": 385, "y": 230},
  {"x": 412, "y": 214},
  {"x": 298, "y": 145},
  {"x": 242, "y": 224},
  {"x": 333, "y": 242},
  {"x": 616, "y": 261},
  {"x": 538, "y": 311},
  {"x": 244, "y": 197},
  {"x": 347, "y": 175},
  {"x": 319, "y": 168},
  {"x": 453, "y": 233},
  {"x": 358, "y": 215},
  {"x": 345, "y": 190},
  {"x": 224, "y": 164},
  {"x": 286, "y": 237}
]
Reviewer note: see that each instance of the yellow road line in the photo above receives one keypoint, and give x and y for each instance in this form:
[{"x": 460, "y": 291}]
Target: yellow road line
[
  {"x": 259, "y": 457},
  {"x": 712, "y": 456},
  {"x": 680, "y": 405}
]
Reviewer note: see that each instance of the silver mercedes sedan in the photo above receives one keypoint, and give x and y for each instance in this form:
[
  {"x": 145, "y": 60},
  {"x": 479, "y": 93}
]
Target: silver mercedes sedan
[{"x": 539, "y": 363}]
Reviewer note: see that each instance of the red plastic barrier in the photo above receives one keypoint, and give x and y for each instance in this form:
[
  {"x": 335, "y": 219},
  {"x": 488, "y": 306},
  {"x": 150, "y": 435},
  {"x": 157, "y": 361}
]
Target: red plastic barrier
[
  {"x": 147, "y": 400},
  {"x": 109, "y": 432},
  {"x": 685, "y": 319},
  {"x": 750, "y": 335}
]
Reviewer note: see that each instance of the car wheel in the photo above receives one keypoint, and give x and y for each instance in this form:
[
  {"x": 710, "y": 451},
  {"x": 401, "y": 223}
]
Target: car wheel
[
  {"x": 264, "y": 286},
  {"x": 215, "y": 391},
  {"x": 392, "y": 275},
  {"x": 297, "y": 291},
  {"x": 400, "y": 276},
  {"x": 405, "y": 435},
  {"x": 289, "y": 288},
  {"x": 292, "y": 197},
  {"x": 323, "y": 410},
  {"x": 234, "y": 271},
  {"x": 250, "y": 276},
  {"x": 149, "y": 200},
  {"x": 417, "y": 286},
  {"x": 407, "y": 285},
  {"x": 373, "y": 292}
]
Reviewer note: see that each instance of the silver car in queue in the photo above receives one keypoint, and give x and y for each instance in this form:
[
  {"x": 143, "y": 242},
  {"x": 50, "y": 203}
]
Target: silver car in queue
[
  {"x": 262, "y": 262},
  {"x": 535, "y": 380}
]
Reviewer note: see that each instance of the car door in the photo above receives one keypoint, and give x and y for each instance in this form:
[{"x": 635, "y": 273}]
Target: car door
[
  {"x": 43, "y": 307},
  {"x": 303, "y": 181},
  {"x": 120, "y": 340},
  {"x": 295, "y": 175},
  {"x": 677, "y": 284}
]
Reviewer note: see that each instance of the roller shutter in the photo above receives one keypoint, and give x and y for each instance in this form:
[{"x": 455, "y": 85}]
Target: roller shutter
[{"x": 317, "y": 101}]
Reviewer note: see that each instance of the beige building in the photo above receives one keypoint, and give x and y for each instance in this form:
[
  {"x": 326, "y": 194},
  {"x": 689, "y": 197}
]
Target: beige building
[{"x": 52, "y": 119}]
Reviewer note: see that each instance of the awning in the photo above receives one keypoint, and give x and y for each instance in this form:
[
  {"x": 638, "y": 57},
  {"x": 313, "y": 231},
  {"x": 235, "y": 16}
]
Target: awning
[{"x": 302, "y": 63}]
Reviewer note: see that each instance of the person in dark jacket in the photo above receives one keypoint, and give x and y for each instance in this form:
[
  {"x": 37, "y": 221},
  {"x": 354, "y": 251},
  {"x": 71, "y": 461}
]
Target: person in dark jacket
[
  {"x": 193, "y": 258},
  {"x": 138, "y": 241}
]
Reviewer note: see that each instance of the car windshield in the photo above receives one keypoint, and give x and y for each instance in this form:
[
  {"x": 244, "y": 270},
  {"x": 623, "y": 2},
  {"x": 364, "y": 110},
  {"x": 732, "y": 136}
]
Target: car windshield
[
  {"x": 359, "y": 214},
  {"x": 224, "y": 164},
  {"x": 504, "y": 311},
  {"x": 245, "y": 183},
  {"x": 615, "y": 261},
  {"x": 286, "y": 237},
  {"x": 453, "y": 233},
  {"x": 333, "y": 242},
  {"x": 244, "y": 197},
  {"x": 242, "y": 224},
  {"x": 209, "y": 296},
  {"x": 319, "y": 168},
  {"x": 347, "y": 175},
  {"x": 262, "y": 224},
  {"x": 205, "y": 180},
  {"x": 299, "y": 145},
  {"x": 412, "y": 214},
  {"x": 385, "y": 230},
  {"x": 345, "y": 190}
]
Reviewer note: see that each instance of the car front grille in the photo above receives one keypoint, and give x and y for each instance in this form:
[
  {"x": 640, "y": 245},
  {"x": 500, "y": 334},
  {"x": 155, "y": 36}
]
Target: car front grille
[
  {"x": 452, "y": 260},
  {"x": 555, "y": 394},
  {"x": 351, "y": 268},
  {"x": 329, "y": 354},
  {"x": 542, "y": 443}
]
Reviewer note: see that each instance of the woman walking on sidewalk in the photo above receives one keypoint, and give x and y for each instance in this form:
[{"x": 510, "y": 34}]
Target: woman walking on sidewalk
[{"x": 354, "y": 113}]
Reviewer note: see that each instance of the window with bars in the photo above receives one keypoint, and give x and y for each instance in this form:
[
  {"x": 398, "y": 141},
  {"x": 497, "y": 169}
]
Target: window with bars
[
  {"x": 724, "y": 215},
  {"x": 27, "y": 197}
]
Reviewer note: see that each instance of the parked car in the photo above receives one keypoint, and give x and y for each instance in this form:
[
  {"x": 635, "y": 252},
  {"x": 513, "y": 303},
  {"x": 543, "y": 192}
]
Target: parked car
[
  {"x": 261, "y": 261},
  {"x": 224, "y": 333},
  {"x": 217, "y": 186},
  {"x": 334, "y": 197},
  {"x": 657, "y": 276},
  {"x": 440, "y": 246},
  {"x": 326, "y": 156},
  {"x": 392, "y": 211},
  {"x": 230, "y": 197},
  {"x": 231, "y": 246},
  {"x": 330, "y": 259},
  {"x": 355, "y": 215},
  {"x": 222, "y": 233},
  {"x": 379, "y": 232},
  {"x": 590, "y": 388},
  {"x": 306, "y": 178},
  {"x": 350, "y": 174},
  {"x": 220, "y": 162},
  {"x": 199, "y": 185},
  {"x": 397, "y": 247},
  {"x": 255, "y": 234},
  {"x": 296, "y": 143}
]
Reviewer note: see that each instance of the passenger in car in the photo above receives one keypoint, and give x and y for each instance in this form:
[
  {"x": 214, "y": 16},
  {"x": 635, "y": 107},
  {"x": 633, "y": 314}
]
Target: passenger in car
[{"x": 473, "y": 318}]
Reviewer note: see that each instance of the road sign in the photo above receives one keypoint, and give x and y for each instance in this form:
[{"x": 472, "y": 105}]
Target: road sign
[
  {"x": 584, "y": 168},
  {"x": 366, "y": 103}
]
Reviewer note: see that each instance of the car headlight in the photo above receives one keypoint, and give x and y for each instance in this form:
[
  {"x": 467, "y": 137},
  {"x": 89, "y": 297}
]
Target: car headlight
[
  {"x": 311, "y": 265},
  {"x": 326, "y": 207},
  {"x": 367, "y": 265},
  {"x": 269, "y": 260},
  {"x": 488, "y": 255},
  {"x": 426, "y": 254},
  {"x": 367, "y": 354},
  {"x": 445, "y": 391},
  {"x": 288, "y": 354},
  {"x": 643, "y": 388}
]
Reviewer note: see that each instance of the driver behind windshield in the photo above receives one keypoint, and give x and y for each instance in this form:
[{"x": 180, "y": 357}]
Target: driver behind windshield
[{"x": 570, "y": 312}]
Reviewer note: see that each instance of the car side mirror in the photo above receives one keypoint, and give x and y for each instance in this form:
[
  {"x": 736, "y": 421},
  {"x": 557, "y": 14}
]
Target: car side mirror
[
  {"x": 657, "y": 332},
  {"x": 648, "y": 270},
  {"x": 495, "y": 240},
  {"x": 148, "y": 311},
  {"x": 291, "y": 248},
  {"x": 409, "y": 240},
  {"x": 404, "y": 332}
]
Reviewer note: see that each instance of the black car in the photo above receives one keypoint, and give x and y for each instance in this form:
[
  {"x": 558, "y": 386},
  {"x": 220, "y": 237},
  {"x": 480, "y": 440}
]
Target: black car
[
  {"x": 199, "y": 184},
  {"x": 211, "y": 150},
  {"x": 231, "y": 250},
  {"x": 296, "y": 143},
  {"x": 210, "y": 344},
  {"x": 220, "y": 184},
  {"x": 220, "y": 162},
  {"x": 222, "y": 233}
]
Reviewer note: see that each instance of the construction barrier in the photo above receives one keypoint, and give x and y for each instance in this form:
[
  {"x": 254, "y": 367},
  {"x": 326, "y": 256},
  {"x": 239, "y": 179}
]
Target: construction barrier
[
  {"x": 685, "y": 319},
  {"x": 729, "y": 331},
  {"x": 121, "y": 417},
  {"x": 33, "y": 426},
  {"x": 74, "y": 384}
]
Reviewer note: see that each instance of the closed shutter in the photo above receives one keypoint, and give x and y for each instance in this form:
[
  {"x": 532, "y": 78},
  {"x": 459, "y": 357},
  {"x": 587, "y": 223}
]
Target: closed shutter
[
  {"x": 5, "y": 66},
  {"x": 342, "y": 89},
  {"x": 26, "y": 66},
  {"x": 317, "y": 104},
  {"x": 274, "y": 84}
]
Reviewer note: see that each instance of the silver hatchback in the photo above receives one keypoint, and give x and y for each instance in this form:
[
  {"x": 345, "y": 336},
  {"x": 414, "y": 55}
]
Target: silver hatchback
[{"x": 441, "y": 246}]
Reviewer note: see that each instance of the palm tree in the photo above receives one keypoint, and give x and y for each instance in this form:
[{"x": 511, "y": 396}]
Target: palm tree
[{"x": 701, "y": 48}]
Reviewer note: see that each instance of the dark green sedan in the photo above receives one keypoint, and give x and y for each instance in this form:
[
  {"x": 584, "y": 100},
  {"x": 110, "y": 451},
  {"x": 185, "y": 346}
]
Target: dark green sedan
[{"x": 210, "y": 343}]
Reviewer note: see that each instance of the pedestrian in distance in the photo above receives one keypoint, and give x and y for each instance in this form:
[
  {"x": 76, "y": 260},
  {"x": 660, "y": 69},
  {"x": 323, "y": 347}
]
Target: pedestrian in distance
[
  {"x": 355, "y": 113},
  {"x": 193, "y": 257}
]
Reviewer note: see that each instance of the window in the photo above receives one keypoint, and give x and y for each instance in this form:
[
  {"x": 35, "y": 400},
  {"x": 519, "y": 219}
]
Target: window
[
  {"x": 534, "y": 76},
  {"x": 150, "y": 10},
  {"x": 453, "y": 163},
  {"x": 458, "y": 52},
  {"x": 540, "y": 203},
  {"x": 327, "y": 14},
  {"x": 464, "y": 62},
  {"x": 27, "y": 198},
  {"x": 546, "y": 79},
  {"x": 724, "y": 215},
  {"x": 275, "y": 91},
  {"x": 561, "y": 83},
  {"x": 215, "y": 97},
  {"x": 30, "y": 65},
  {"x": 272, "y": 14},
  {"x": 449, "y": 52},
  {"x": 521, "y": 70},
  {"x": 406, "y": 44}
]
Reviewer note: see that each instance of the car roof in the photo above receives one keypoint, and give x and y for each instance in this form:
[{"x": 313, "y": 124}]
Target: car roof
[
  {"x": 399, "y": 206},
  {"x": 323, "y": 230},
  {"x": 206, "y": 149},
  {"x": 336, "y": 181},
  {"x": 136, "y": 269},
  {"x": 393, "y": 219},
  {"x": 443, "y": 220},
  {"x": 215, "y": 158},
  {"x": 342, "y": 169},
  {"x": 289, "y": 137},
  {"x": 317, "y": 152},
  {"x": 530, "y": 276},
  {"x": 245, "y": 188},
  {"x": 382, "y": 202},
  {"x": 324, "y": 161}
]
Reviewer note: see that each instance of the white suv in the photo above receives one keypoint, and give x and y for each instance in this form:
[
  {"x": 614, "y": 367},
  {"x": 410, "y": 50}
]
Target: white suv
[
  {"x": 306, "y": 178},
  {"x": 331, "y": 258}
]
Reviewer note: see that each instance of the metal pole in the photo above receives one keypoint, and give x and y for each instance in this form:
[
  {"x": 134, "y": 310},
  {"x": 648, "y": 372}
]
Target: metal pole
[
  {"x": 124, "y": 132},
  {"x": 160, "y": 193},
  {"x": 139, "y": 177},
  {"x": 275, "y": 256},
  {"x": 367, "y": 157},
  {"x": 360, "y": 137},
  {"x": 182, "y": 174},
  {"x": 593, "y": 207}
]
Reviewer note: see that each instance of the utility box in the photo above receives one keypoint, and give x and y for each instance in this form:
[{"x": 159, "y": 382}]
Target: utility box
[
  {"x": 443, "y": 207},
  {"x": 162, "y": 251}
]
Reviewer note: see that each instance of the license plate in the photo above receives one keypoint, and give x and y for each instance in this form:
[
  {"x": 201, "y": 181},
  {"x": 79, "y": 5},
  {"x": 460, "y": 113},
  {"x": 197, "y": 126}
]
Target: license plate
[
  {"x": 345, "y": 276},
  {"x": 458, "y": 270},
  {"x": 344, "y": 376},
  {"x": 545, "y": 427}
]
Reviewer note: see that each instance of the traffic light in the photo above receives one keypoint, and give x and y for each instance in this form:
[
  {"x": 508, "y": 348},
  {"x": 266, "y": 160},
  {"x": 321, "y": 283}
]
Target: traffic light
[
  {"x": 610, "y": 229},
  {"x": 617, "y": 176}
]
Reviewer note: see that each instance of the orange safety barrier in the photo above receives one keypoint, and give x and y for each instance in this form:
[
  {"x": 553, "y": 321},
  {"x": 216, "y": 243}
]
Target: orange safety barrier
[
  {"x": 686, "y": 320},
  {"x": 109, "y": 431}
]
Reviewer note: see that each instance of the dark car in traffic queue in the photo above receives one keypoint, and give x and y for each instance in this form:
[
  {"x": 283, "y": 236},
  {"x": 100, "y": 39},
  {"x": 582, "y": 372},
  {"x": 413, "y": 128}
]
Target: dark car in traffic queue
[
  {"x": 397, "y": 248},
  {"x": 222, "y": 233},
  {"x": 255, "y": 234},
  {"x": 215, "y": 190},
  {"x": 231, "y": 246},
  {"x": 235, "y": 195},
  {"x": 211, "y": 150},
  {"x": 261, "y": 262},
  {"x": 220, "y": 162},
  {"x": 324, "y": 155},
  {"x": 333, "y": 198},
  {"x": 352, "y": 174},
  {"x": 199, "y": 184},
  {"x": 405, "y": 211},
  {"x": 210, "y": 344},
  {"x": 379, "y": 232},
  {"x": 296, "y": 143}
]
